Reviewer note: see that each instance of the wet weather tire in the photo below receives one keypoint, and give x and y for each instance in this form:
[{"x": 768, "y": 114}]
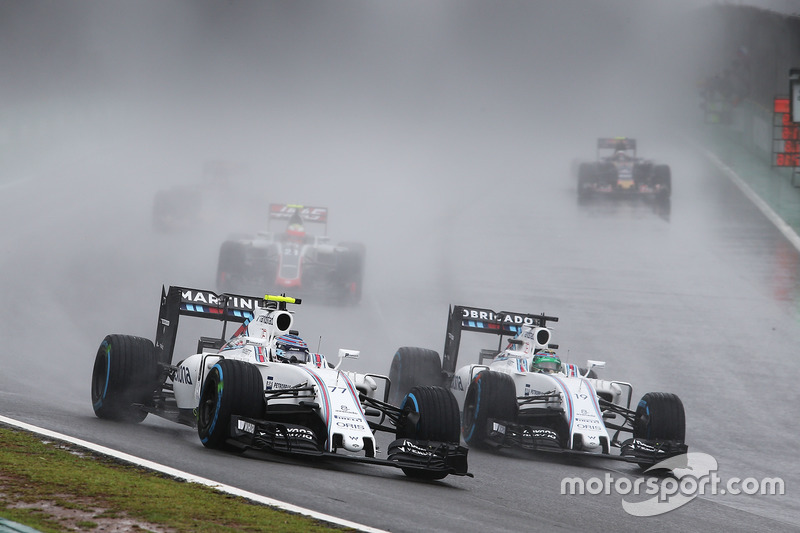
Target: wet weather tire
[
  {"x": 231, "y": 265},
  {"x": 662, "y": 178},
  {"x": 489, "y": 395},
  {"x": 231, "y": 388},
  {"x": 125, "y": 373},
  {"x": 660, "y": 416},
  {"x": 438, "y": 421},
  {"x": 410, "y": 367}
]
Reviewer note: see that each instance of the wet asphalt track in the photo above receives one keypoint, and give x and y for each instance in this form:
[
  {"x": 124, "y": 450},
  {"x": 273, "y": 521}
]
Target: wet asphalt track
[{"x": 700, "y": 301}]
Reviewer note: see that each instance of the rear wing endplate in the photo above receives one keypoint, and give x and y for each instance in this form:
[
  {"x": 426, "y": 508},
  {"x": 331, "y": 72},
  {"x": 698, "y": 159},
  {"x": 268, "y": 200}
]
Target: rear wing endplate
[
  {"x": 464, "y": 318},
  {"x": 182, "y": 301}
]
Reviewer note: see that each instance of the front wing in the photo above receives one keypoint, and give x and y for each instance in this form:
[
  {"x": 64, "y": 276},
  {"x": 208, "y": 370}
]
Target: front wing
[
  {"x": 264, "y": 435},
  {"x": 542, "y": 439}
]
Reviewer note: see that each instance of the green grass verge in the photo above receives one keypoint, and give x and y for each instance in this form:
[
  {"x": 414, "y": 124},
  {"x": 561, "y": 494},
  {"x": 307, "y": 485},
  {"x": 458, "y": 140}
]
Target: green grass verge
[{"x": 55, "y": 487}]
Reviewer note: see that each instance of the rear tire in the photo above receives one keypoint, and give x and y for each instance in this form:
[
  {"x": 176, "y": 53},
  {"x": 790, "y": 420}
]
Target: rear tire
[
  {"x": 489, "y": 395},
  {"x": 662, "y": 178},
  {"x": 586, "y": 179},
  {"x": 413, "y": 366},
  {"x": 125, "y": 373},
  {"x": 438, "y": 422},
  {"x": 350, "y": 269},
  {"x": 231, "y": 388},
  {"x": 230, "y": 267}
]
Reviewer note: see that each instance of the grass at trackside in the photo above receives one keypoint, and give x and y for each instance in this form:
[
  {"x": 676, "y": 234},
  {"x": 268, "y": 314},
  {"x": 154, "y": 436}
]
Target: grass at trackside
[{"x": 42, "y": 482}]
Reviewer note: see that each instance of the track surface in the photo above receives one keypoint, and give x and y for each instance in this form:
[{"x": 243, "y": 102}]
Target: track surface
[{"x": 700, "y": 302}]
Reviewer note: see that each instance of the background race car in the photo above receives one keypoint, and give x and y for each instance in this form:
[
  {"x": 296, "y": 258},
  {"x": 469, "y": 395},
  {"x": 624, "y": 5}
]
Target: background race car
[
  {"x": 523, "y": 395},
  {"x": 191, "y": 206},
  {"x": 293, "y": 259},
  {"x": 262, "y": 388},
  {"x": 618, "y": 171}
]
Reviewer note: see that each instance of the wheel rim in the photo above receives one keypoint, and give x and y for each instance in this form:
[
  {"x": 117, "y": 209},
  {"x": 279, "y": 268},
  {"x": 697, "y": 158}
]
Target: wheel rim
[
  {"x": 100, "y": 375},
  {"x": 471, "y": 406},
  {"x": 207, "y": 413}
]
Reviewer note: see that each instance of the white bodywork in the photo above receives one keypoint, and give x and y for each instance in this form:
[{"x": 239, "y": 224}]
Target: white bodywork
[
  {"x": 571, "y": 391},
  {"x": 333, "y": 390}
]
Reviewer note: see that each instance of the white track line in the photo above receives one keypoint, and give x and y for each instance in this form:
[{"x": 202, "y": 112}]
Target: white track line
[
  {"x": 189, "y": 477},
  {"x": 781, "y": 224}
]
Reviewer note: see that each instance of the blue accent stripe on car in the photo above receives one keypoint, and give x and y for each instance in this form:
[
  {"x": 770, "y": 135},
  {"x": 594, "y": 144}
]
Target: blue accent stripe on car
[
  {"x": 353, "y": 392},
  {"x": 220, "y": 391},
  {"x": 326, "y": 400}
]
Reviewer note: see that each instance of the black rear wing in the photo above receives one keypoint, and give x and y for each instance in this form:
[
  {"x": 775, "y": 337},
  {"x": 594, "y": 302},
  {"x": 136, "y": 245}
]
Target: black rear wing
[
  {"x": 616, "y": 143},
  {"x": 178, "y": 301},
  {"x": 464, "y": 318},
  {"x": 305, "y": 214}
]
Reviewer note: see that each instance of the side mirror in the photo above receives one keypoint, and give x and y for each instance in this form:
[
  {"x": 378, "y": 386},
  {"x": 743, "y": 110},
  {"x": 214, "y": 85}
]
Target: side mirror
[
  {"x": 344, "y": 353},
  {"x": 590, "y": 364}
]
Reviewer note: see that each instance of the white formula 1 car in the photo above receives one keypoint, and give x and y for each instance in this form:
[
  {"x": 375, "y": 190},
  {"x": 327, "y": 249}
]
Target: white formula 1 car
[
  {"x": 525, "y": 396},
  {"x": 263, "y": 389}
]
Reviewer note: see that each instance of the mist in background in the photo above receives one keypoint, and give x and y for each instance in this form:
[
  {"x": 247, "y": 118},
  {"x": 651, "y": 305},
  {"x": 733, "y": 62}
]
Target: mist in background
[{"x": 410, "y": 121}]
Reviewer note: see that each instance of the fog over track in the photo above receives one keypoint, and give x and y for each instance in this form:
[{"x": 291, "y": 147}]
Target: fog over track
[{"x": 440, "y": 134}]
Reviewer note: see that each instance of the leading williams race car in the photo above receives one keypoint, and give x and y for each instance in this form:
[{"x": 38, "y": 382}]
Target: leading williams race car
[
  {"x": 293, "y": 260},
  {"x": 263, "y": 389},
  {"x": 618, "y": 171},
  {"x": 525, "y": 396}
]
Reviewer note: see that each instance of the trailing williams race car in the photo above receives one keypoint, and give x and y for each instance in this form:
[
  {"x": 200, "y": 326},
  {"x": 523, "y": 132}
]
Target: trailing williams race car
[
  {"x": 622, "y": 173},
  {"x": 263, "y": 389},
  {"x": 308, "y": 265},
  {"x": 525, "y": 396}
]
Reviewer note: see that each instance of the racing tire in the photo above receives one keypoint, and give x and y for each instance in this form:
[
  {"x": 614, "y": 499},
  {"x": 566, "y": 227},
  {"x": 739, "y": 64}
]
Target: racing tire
[
  {"x": 490, "y": 395},
  {"x": 659, "y": 416},
  {"x": 662, "y": 176},
  {"x": 351, "y": 270},
  {"x": 438, "y": 421},
  {"x": 586, "y": 179},
  {"x": 413, "y": 366},
  {"x": 125, "y": 373},
  {"x": 231, "y": 388},
  {"x": 230, "y": 267}
]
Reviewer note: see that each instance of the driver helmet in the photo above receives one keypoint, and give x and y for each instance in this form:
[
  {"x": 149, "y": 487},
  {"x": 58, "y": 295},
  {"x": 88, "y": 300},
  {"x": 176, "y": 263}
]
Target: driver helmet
[
  {"x": 546, "y": 362},
  {"x": 291, "y": 349},
  {"x": 296, "y": 232}
]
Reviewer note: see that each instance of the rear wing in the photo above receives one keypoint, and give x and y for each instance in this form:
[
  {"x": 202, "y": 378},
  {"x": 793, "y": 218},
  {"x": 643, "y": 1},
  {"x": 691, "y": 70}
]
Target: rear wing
[
  {"x": 182, "y": 301},
  {"x": 464, "y": 318},
  {"x": 306, "y": 213},
  {"x": 616, "y": 143}
]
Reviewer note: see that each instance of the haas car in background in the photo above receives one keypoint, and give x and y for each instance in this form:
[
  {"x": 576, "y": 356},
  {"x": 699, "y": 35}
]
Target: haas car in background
[
  {"x": 523, "y": 395},
  {"x": 293, "y": 259},
  {"x": 263, "y": 389},
  {"x": 618, "y": 171}
]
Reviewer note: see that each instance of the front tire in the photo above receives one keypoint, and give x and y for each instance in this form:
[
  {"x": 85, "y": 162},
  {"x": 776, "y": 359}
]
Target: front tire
[
  {"x": 125, "y": 373},
  {"x": 659, "y": 417},
  {"x": 231, "y": 388},
  {"x": 489, "y": 395},
  {"x": 438, "y": 421},
  {"x": 413, "y": 366}
]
